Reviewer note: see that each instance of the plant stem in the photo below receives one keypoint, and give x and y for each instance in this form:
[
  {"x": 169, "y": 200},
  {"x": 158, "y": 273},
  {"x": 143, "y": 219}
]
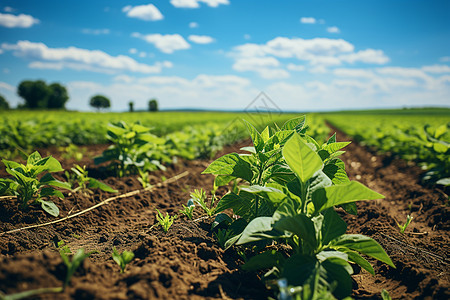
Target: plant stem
[{"x": 30, "y": 293}]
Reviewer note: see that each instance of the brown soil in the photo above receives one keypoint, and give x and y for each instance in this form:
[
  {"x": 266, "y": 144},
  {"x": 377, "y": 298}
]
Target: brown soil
[{"x": 187, "y": 263}]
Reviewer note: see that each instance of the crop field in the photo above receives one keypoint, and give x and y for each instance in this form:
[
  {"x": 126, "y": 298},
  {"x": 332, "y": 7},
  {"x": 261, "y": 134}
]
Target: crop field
[{"x": 212, "y": 205}]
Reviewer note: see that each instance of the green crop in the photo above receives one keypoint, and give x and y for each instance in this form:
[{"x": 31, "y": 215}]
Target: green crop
[
  {"x": 30, "y": 186},
  {"x": 188, "y": 209},
  {"x": 403, "y": 227},
  {"x": 79, "y": 177},
  {"x": 289, "y": 188},
  {"x": 122, "y": 259},
  {"x": 165, "y": 221},
  {"x": 72, "y": 264},
  {"x": 199, "y": 197},
  {"x": 223, "y": 235}
]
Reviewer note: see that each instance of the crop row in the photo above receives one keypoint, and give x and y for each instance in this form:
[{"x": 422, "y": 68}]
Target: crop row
[{"x": 423, "y": 139}]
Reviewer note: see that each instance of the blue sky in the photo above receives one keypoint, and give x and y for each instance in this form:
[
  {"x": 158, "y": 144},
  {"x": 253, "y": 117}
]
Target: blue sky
[{"x": 220, "y": 54}]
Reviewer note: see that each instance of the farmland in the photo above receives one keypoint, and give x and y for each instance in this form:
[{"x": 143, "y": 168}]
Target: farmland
[{"x": 213, "y": 207}]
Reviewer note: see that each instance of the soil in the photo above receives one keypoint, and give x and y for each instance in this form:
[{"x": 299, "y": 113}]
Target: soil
[{"x": 187, "y": 263}]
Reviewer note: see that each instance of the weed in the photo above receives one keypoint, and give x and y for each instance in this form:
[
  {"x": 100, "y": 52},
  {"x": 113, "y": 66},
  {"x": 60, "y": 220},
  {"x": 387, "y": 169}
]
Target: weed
[
  {"x": 165, "y": 221},
  {"x": 402, "y": 228}
]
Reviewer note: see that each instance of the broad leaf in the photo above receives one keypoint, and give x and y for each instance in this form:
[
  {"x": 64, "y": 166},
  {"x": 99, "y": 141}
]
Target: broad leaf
[
  {"x": 94, "y": 183},
  {"x": 301, "y": 159},
  {"x": 354, "y": 256},
  {"x": 332, "y": 226},
  {"x": 336, "y": 174},
  {"x": 300, "y": 225},
  {"x": 364, "y": 245},
  {"x": 333, "y": 147},
  {"x": 294, "y": 124},
  {"x": 258, "y": 229},
  {"x": 49, "y": 207},
  {"x": 240, "y": 204},
  {"x": 230, "y": 164},
  {"x": 258, "y": 141},
  {"x": 265, "y": 260},
  {"x": 49, "y": 191},
  {"x": 343, "y": 193},
  {"x": 48, "y": 179}
]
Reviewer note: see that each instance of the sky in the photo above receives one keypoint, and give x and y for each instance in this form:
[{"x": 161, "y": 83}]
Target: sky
[{"x": 221, "y": 54}]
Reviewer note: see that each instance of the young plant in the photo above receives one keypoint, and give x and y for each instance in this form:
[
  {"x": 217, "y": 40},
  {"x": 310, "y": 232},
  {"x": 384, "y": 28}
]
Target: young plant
[
  {"x": 72, "y": 264},
  {"x": 79, "y": 177},
  {"x": 30, "y": 186},
  {"x": 223, "y": 235},
  {"x": 294, "y": 185},
  {"x": 131, "y": 150},
  {"x": 144, "y": 178},
  {"x": 199, "y": 197},
  {"x": 122, "y": 259},
  {"x": 403, "y": 227},
  {"x": 188, "y": 209},
  {"x": 165, "y": 221}
]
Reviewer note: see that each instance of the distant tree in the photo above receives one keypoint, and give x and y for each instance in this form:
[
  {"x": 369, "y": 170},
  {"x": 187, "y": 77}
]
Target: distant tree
[
  {"x": 131, "y": 105},
  {"x": 99, "y": 102},
  {"x": 35, "y": 93},
  {"x": 58, "y": 96},
  {"x": 3, "y": 103},
  {"x": 153, "y": 105}
]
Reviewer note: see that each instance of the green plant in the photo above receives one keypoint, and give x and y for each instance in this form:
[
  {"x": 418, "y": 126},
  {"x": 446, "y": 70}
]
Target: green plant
[
  {"x": 223, "y": 235},
  {"x": 199, "y": 197},
  {"x": 122, "y": 259},
  {"x": 165, "y": 221},
  {"x": 79, "y": 177},
  {"x": 403, "y": 227},
  {"x": 290, "y": 186},
  {"x": 28, "y": 187},
  {"x": 188, "y": 209},
  {"x": 72, "y": 264},
  {"x": 144, "y": 178},
  {"x": 72, "y": 152},
  {"x": 132, "y": 149},
  {"x": 385, "y": 295}
]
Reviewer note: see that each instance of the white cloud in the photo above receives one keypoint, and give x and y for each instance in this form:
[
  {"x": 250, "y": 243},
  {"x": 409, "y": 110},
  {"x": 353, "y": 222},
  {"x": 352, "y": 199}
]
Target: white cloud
[
  {"x": 368, "y": 56},
  {"x": 201, "y": 39},
  {"x": 20, "y": 21},
  {"x": 96, "y": 31},
  {"x": 308, "y": 20},
  {"x": 403, "y": 72},
  {"x": 445, "y": 59},
  {"x": 436, "y": 69},
  {"x": 147, "y": 12},
  {"x": 7, "y": 87},
  {"x": 294, "y": 67},
  {"x": 193, "y": 25},
  {"x": 333, "y": 29},
  {"x": 195, "y": 3},
  {"x": 359, "y": 73},
  {"x": 133, "y": 51},
  {"x": 78, "y": 59},
  {"x": 167, "y": 43},
  {"x": 8, "y": 9},
  {"x": 142, "y": 54},
  {"x": 266, "y": 67}
]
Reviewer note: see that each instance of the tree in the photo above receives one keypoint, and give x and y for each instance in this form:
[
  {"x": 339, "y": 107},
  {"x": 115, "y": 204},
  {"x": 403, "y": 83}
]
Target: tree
[
  {"x": 3, "y": 103},
  {"x": 99, "y": 101},
  {"x": 58, "y": 96},
  {"x": 131, "y": 105},
  {"x": 153, "y": 105},
  {"x": 35, "y": 93}
]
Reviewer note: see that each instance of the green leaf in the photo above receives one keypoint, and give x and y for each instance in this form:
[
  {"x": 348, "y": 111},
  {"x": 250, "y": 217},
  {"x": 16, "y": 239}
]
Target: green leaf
[
  {"x": 265, "y": 134},
  {"x": 94, "y": 183},
  {"x": 52, "y": 165},
  {"x": 222, "y": 180},
  {"x": 230, "y": 164},
  {"x": 49, "y": 207},
  {"x": 298, "y": 268},
  {"x": 364, "y": 245},
  {"x": 354, "y": 256},
  {"x": 221, "y": 218},
  {"x": 258, "y": 229},
  {"x": 302, "y": 160},
  {"x": 250, "y": 149},
  {"x": 257, "y": 189},
  {"x": 337, "y": 270},
  {"x": 343, "y": 193},
  {"x": 300, "y": 225},
  {"x": 49, "y": 191},
  {"x": 350, "y": 208},
  {"x": 336, "y": 174},
  {"x": 239, "y": 203},
  {"x": 332, "y": 226},
  {"x": 265, "y": 260},
  {"x": 48, "y": 179},
  {"x": 258, "y": 141},
  {"x": 33, "y": 158},
  {"x": 332, "y": 139},
  {"x": 333, "y": 147},
  {"x": 294, "y": 124}
]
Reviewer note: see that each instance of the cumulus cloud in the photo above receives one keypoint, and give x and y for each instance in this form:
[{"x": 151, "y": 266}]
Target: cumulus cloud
[
  {"x": 436, "y": 69},
  {"x": 167, "y": 43},
  {"x": 369, "y": 56},
  {"x": 201, "y": 39},
  {"x": 333, "y": 29},
  {"x": 78, "y": 59},
  {"x": 96, "y": 31},
  {"x": 147, "y": 12},
  {"x": 20, "y": 21},
  {"x": 308, "y": 20},
  {"x": 196, "y": 3},
  {"x": 193, "y": 25},
  {"x": 266, "y": 67},
  {"x": 294, "y": 67}
]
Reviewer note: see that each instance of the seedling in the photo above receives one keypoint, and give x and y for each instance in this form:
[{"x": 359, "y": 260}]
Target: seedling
[
  {"x": 79, "y": 177},
  {"x": 73, "y": 152},
  {"x": 72, "y": 264},
  {"x": 199, "y": 197},
  {"x": 189, "y": 209},
  {"x": 403, "y": 227},
  {"x": 26, "y": 185},
  {"x": 165, "y": 221},
  {"x": 385, "y": 295},
  {"x": 144, "y": 178},
  {"x": 122, "y": 259},
  {"x": 223, "y": 235}
]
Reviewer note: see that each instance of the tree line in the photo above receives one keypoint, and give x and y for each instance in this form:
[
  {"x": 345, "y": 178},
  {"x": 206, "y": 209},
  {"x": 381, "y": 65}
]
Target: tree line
[{"x": 38, "y": 95}]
